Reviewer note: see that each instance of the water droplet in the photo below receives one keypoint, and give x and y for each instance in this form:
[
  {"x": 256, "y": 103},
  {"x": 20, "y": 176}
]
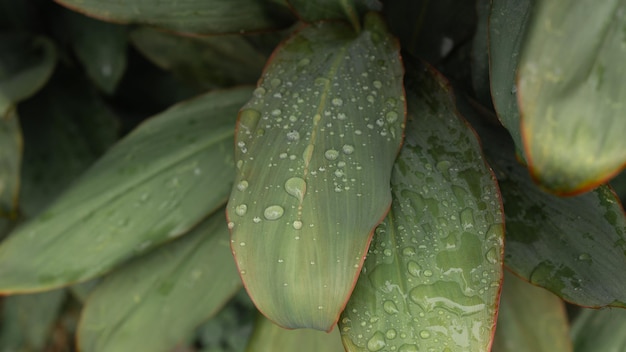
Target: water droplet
[
  {"x": 297, "y": 224},
  {"x": 391, "y": 116},
  {"x": 304, "y": 62},
  {"x": 296, "y": 187},
  {"x": 408, "y": 348},
  {"x": 467, "y": 218},
  {"x": 259, "y": 92},
  {"x": 276, "y": 112},
  {"x": 584, "y": 257},
  {"x": 424, "y": 334},
  {"x": 341, "y": 116},
  {"x": 241, "y": 209},
  {"x": 231, "y": 225},
  {"x": 376, "y": 342},
  {"x": 293, "y": 135},
  {"x": 308, "y": 154},
  {"x": 387, "y": 252},
  {"x": 454, "y": 301},
  {"x": 337, "y": 101},
  {"x": 248, "y": 119},
  {"x": 242, "y": 244},
  {"x": 408, "y": 252},
  {"x": 413, "y": 268},
  {"x": 242, "y": 185},
  {"x": 444, "y": 167},
  {"x": 256, "y": 219},
  {"x": 347, "y": 149},
  {"x": 377, "y": 84},
  {"x": 341, "y": 164},
  {"x": 273, "y": 212},
  {"x": 492, "y": 255},
  {"x": 428, "y": 273},
  {"x": 391, "y": 334},
  {"x": 331, "y": 154},
  {"x": 390, "y": 307}
]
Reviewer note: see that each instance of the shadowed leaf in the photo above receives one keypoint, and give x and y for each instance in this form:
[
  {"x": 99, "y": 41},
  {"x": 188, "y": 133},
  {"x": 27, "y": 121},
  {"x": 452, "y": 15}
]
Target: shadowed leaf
[
  {"x": 599, "y": 330},
  {"x": 152, "y": 186},
  {"x": 432, "y": 275},
  {"x": 10, "y": 162},
  {"x": 350, "y": 10},
  {"x": 315, "y": 147}
]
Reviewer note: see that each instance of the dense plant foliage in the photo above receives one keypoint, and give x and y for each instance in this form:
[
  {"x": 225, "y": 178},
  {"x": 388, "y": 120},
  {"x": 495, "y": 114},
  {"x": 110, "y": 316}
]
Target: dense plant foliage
[{"x": 406, "y": 175}]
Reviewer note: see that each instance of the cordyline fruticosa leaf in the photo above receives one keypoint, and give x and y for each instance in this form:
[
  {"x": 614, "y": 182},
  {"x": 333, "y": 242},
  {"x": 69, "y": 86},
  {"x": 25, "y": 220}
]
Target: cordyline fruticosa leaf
[
  {"x": 432, "y": 276},
  {"x": 314, "y": 151},
  {"x": 572, "y": 93},
  {"x": 152, "y": 186}
]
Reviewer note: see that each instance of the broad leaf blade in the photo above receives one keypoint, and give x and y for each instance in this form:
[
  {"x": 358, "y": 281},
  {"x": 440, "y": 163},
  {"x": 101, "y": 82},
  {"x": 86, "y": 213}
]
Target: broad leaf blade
[
  {"x": 185, "y": 282},
  {"x": 530, "y": 319},
  {"x": 433, "y": 271},
  {"x": 10, "y": 162},
  {"x": 26, "y": 63},
  {"x": 572, "y": 89},
  {"x": 315, "y": 147},
  {"x": 152, "y": 186},
  {"x": 599, "y": 330},
  {"x": 192, "y": 16},
  {"x": 575, "y": 247},
  {"x": 268, "y": 336}
]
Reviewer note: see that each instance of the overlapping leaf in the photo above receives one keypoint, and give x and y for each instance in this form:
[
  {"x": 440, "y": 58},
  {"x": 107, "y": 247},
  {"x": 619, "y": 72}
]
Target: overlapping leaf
[
  {"x": 171, "y": 290},
  {"x": 574, "y": 247},
  {"x": 351, "y": 10},
  {"x": 572, "y": 89},
  {"x": 10, "y": 162},
  {"x": 152, "y": 186},
  {"x": 432, "y": 275},
  {"x": 191, "y": 16},
  {"x": 480, "y": 54},
  {"x": 530, "y": 319},
  {"x": 267, "y": 336},
  {"x": 599, "y": 330},
  {"x": 315, "y": 147}
]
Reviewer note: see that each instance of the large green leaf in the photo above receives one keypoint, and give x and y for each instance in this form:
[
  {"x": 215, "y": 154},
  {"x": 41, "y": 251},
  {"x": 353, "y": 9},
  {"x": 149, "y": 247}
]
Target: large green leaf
[
  {"x": 27, "y": 320},
  {"x": 209, "y": 62},
  {"x": 574, "y": 247},
  {"x": 572, "y": 91},
  {"x": 191, "y": 16},
  {"x": 315, "y": 147},
  {"x": 184, "y": 282},
  {"x": 480, "y": 54},
  {"x": 507, "y": 24},
  {"x": 530, "y": 319},
  {"x": 154, "y": 185},
  {"x": 432, "y": 275},
  {"x": 351, "y": 10},
  {"x": 10, "y": 162},
  {"x": 268, "y": 336},
  {"x": 600, "y": 330},
  {"x": 26, "y": 63}
]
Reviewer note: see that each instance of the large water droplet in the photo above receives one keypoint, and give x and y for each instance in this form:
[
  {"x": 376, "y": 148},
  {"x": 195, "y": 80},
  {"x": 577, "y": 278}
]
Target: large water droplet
[
  {"x": 275, "y": 82},
  {"x": 293, "y": 136},
  {"x": 391, "y": 116},
  {"x": 242, "y": 185},
  {"x": 413, "y": 268},
  {"x": 391, "y": 334},
  {"x": 259, "y": 92},
  {"x": 296, "y": 187},
  {"x": 408, "y": 348},
  {"x": 273, "y": 212},
  {"x": 492, "y": 255},
  {"x": 424, "y": 334},
  {"x": 390, "y": 307},
  {"x": 376, "y": 342},
  {"x": 347, "y": 149},
  {"x": 248, "y": 119},
  {"x": 337, "y": 101},
  {"x": 241, "y": 209},
  {"x": 455, "y": 301},
  {"x": 297, "y": 224},
  {"x": 377, "y": 84},
  {"x": 331, "y": 154}
]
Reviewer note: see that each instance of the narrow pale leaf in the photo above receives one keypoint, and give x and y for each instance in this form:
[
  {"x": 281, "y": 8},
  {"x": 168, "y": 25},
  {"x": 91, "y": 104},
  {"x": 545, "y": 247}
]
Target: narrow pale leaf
[
  {"x": 315, "y": 147},
  {"x": 26, "y": 63},
  {"x": 268, "y": 336},
  {"x": 480, "y": 54},
  {"x": 600, "y": 330},
  {"x": 530, "y": 319},
  {"x": 572, "y": 93},
  {"x": 433, "y": 272},
  {"x": 157, "y": 300},
  {"x": 152, "y": 186},
  {"x": 191, "y": 16},
  {"x": 575, "y": 247},
  {"x": 10, "y": 162}
]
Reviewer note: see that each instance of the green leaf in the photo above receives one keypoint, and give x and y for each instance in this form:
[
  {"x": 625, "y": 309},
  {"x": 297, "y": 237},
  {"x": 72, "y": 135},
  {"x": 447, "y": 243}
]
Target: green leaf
[
  {"x": 27, "y": 320},
  {"x": 507, "y": 24},
  {"x": 209, "y": 62},
  {"x": 432, "y": 275},
  {"x": 572, "y": 89},
  {"x": 185, "y": 282},
  {"x": 191, "y": 16},
  {"x": 599, "y": 330},
  {"x": 152, "y": 186},
  {"x": 26, "y": 63},
  {"x": 66, "y": 127},
  {"x": 575, "y": 247},
  {"x": 351, "y": 10},
  {"x": 315, "y": 147},
  {"x": 480, "y": 54},
  {"x": 268, "y": 336},
  {"x": 530, "y": 319},
  {"x": 10, "y": 162},
  {"x": 99, "y": 46}
]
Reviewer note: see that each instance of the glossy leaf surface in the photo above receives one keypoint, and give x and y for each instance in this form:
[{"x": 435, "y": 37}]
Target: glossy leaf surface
[
  {"x": 599, "y": 330},
  {"x": 315, "y": 147},
  {"x": 210, "y": 62},
  {"x": 268, "y": 336},
  {"x": 530, "y": 319},
  {"x": 432, "y": 276},
  {"x": 192, "y": 16},
  {"x": 26, "y": 63},
  {"x": 171, "y": 290},
  {"x": 152, "y": 186},
  {"x": 10, "y": 163},
  {"x": 574, "y": 246},
  {"x": 572, "y": 89},
  {"x": 507, "y": 24}
]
